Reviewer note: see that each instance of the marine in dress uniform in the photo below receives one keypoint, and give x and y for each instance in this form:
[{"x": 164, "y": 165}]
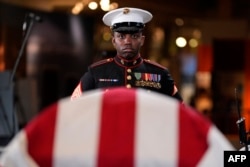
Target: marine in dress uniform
[{"x": 133, "y": 71}]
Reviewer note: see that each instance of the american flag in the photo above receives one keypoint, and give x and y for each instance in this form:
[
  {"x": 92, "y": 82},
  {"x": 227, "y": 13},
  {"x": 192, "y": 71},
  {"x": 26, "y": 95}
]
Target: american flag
[{"x": 117, "y": 127}]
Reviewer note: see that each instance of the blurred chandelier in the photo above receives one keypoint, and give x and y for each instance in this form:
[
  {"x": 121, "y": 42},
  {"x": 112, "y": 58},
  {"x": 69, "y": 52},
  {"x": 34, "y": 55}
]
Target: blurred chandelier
[{"x": 105, "y": 5}]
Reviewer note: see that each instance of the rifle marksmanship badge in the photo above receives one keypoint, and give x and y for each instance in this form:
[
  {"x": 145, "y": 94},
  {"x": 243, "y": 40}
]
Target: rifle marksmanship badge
[{"x": 147, "y": 80}]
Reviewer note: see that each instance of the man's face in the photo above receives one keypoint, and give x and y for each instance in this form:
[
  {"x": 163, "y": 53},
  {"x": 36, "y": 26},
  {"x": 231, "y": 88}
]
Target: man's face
[{"x": 128, "y": 45}]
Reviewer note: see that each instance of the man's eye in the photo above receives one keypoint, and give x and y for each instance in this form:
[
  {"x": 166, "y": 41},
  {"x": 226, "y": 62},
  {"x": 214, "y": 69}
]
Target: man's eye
[
  {"x": 121, "y": 36},
  {"x": 135, "y": 36}
]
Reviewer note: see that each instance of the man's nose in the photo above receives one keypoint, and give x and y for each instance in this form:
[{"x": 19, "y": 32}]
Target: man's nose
[{"x": 128, "y": 38}]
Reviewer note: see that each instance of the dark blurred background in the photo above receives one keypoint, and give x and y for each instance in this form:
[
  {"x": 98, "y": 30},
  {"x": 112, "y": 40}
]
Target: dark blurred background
[{"x": 208, "y": 61}]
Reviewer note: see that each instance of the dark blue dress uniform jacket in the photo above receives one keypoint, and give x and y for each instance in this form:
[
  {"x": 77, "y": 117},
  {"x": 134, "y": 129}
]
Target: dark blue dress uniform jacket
[{"x": 136, "y": 73}]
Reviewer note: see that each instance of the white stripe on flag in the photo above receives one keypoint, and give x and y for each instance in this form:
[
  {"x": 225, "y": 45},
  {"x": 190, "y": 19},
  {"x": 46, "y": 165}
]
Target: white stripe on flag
[
  {"x": 15, "y": 154},
  {"x": 72, "y": 141},
  {"x": 156, "y": 130},
  {"x": 215, "y": 153}
]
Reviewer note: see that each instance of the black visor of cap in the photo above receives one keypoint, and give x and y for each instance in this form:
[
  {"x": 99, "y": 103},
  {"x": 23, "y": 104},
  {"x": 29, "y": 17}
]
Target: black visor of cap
[{"x": 127, "y": 27}]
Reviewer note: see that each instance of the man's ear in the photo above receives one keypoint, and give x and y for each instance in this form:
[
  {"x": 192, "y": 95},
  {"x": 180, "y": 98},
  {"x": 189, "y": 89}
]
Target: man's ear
[
  {"x": 113, "y": 41},
  {"x": 142, "y": 40}
]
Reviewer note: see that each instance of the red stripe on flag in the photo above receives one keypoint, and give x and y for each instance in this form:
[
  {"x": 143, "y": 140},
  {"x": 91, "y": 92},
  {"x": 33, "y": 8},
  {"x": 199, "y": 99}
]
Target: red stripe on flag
[
  {"x": 192, "y": 137},
  {"x": 116, "y": 147},
  {"x": 40, "y": 136}
]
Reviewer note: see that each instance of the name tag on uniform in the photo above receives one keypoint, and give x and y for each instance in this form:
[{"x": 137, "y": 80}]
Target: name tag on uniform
[{"x": 107, "y": 80}]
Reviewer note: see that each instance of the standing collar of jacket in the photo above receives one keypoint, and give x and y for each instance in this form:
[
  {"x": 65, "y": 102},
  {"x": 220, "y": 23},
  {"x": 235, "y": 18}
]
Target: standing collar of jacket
[{"x": 128, "y": 63}]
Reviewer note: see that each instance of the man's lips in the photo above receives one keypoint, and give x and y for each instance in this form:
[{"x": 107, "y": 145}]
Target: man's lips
[{"x": 128, "y": 49}]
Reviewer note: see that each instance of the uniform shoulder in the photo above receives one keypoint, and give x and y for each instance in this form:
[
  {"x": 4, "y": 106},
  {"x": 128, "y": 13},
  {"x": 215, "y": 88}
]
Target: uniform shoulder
[
  {"x": 147, "y": 61},
  {"x": 101, "y": 62}
]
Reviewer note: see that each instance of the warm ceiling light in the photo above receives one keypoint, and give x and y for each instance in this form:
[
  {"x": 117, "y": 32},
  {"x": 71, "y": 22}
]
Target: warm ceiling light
[
  {"x": 105, "y": 5},
  {"x": 179, "y": 22},
  {"x": 181, "y": 42},
  {"x": 113, "y": 5},
  {"x": 77, "y": 8},
  {"x": 197, "y": 33},
  {"x": 193, "y": 43},
  {"x": 106, "y": 36},
  {"x": 93, "y": 5}
]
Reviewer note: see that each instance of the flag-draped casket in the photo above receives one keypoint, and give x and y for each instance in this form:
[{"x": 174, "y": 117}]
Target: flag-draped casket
[{"x": 117, "y": 127}]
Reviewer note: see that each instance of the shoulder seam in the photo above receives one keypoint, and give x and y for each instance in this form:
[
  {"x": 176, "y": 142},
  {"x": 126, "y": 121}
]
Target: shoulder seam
[
  {"x": 154, "y": 63},
  {"x": 104, "y": 61}
]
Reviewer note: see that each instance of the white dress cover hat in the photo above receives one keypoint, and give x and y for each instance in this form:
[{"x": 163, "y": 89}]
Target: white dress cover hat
[{"x": 127, "y": 19}]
